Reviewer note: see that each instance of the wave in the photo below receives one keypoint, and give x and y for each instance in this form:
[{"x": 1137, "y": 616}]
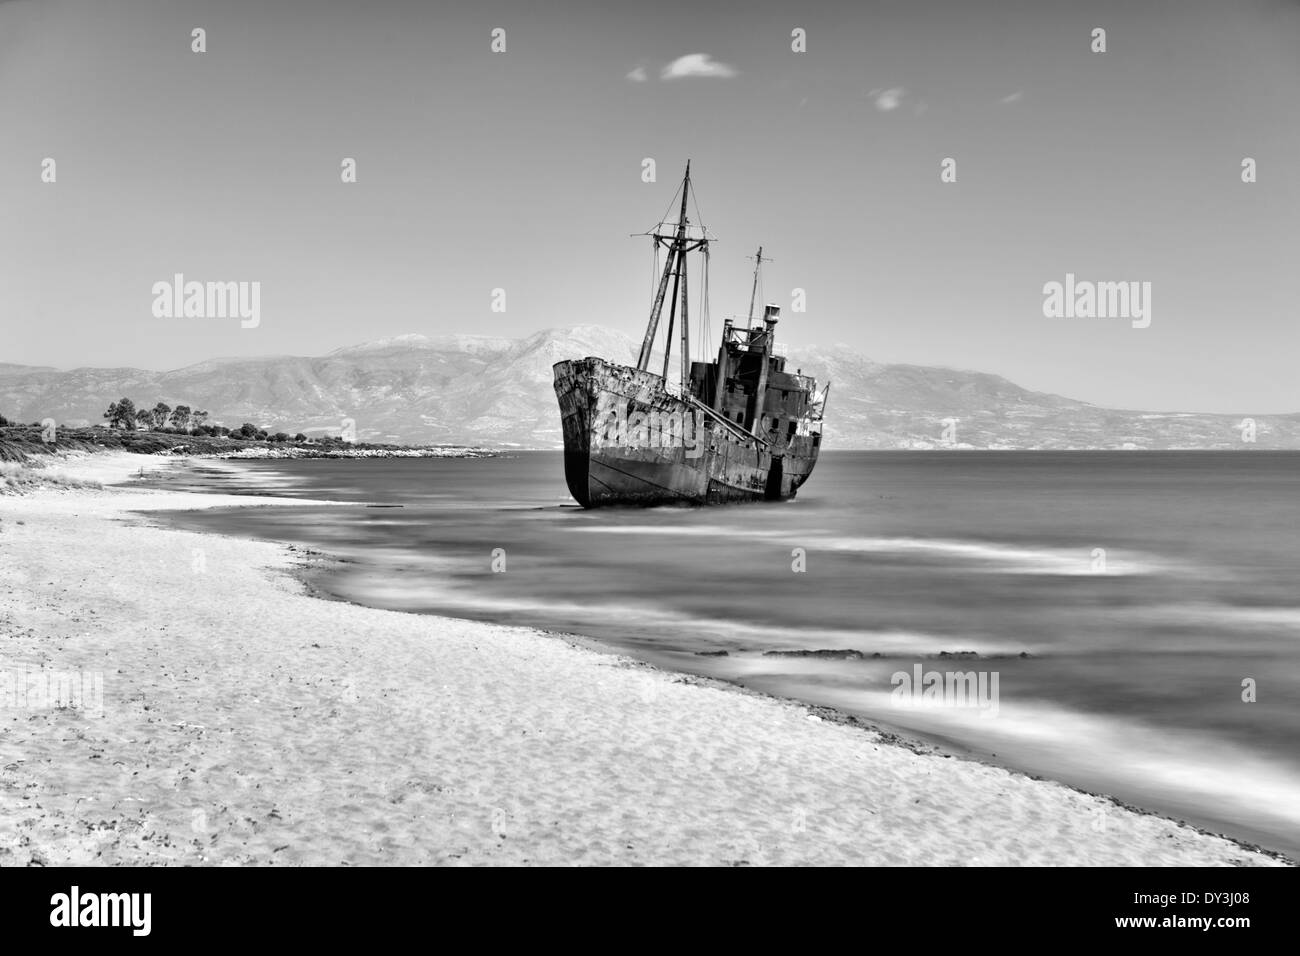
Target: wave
[
  {"x": 610, "y": 620},
  {"x": 1020, "y": 559},
  {"x": 1185, "y": 769},
  {"x": 1259, "y": 617}
]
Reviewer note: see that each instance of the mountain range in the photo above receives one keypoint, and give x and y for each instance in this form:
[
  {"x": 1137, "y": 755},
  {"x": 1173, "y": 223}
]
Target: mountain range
[{"x": 483, "y": 390}]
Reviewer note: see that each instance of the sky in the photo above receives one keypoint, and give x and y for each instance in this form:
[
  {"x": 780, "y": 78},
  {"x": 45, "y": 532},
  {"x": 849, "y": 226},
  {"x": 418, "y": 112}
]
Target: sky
[{"x": 522, "y": 170}]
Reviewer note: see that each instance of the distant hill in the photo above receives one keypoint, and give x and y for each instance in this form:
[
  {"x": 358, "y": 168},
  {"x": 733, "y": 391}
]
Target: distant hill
[{"x": 468, "y": 389}]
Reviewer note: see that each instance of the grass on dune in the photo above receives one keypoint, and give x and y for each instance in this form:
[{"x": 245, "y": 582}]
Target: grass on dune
[{"x": 17, "y": 478}]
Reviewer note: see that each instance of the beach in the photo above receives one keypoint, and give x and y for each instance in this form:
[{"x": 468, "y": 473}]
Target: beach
[{"x": 246, "y": 722}]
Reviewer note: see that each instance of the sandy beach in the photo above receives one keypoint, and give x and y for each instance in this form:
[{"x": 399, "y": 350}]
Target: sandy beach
[{"x": 245, "y": 722}]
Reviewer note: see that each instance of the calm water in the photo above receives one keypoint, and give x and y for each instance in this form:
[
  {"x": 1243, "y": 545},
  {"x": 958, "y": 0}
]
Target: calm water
[{"x": 1121, "y": 599}]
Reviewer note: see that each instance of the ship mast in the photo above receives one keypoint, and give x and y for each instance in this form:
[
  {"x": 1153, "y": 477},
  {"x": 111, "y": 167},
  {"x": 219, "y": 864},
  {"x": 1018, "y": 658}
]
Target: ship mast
[
  {"x": 753, "y": 294},
  {"x": 675, "y": 267}
]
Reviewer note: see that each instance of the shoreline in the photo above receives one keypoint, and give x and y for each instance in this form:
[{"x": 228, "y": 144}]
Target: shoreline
[
  {"x": 916, "y": 741},
  {"x": 627, "y": 762}
]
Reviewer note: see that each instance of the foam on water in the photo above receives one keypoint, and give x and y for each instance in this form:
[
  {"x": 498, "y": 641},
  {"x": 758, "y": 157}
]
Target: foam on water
[
  {"x": 1190, "y": 770},
  {"x": 1021, "y": 559}
]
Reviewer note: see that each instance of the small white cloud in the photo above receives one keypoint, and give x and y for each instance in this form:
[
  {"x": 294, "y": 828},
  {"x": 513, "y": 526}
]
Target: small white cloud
[
  {"x": 1012, "y": 98},
  {"x": 696, "y": 64},
  {"x": 889, "y": 99},
  {"x": 638, "y": 75}
]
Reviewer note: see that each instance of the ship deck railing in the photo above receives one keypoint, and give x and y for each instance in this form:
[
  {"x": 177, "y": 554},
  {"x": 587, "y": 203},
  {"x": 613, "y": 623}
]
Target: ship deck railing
[{"x": 741, "y": 337}]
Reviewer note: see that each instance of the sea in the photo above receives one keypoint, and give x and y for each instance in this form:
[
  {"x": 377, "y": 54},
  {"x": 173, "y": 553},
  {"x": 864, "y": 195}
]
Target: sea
[{"x": 1126, "y": 623}]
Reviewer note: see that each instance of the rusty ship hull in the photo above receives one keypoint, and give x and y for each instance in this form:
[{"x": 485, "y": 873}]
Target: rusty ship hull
[
  {"x": 742, "y": 427},
  {"x": 610, "y": 458}
]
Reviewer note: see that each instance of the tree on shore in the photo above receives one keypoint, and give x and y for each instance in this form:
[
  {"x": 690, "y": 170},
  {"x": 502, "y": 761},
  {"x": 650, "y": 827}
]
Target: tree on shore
[
  {"x": 162, "y": 417},
  {"x": 121, "y": 414}
]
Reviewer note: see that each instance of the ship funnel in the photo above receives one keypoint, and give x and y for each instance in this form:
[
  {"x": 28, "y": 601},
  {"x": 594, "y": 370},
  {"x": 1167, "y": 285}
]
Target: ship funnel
[{"x": 771, "y": 314}]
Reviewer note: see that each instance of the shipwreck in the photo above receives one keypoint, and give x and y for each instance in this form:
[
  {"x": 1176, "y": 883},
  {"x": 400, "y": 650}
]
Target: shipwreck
[{"x": 737, "y": 428}]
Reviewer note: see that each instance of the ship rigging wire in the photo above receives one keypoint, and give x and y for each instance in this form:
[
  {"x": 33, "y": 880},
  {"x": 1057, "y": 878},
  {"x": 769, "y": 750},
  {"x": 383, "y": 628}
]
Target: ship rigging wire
[{"x": 704, "y": 330}]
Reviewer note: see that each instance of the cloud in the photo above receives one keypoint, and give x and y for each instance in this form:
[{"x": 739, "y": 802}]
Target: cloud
[
  {"x": 637, "y": 75},
  {"x": 889, "y": 99},
  {"x": 1013, "y": 98},
  {"x": 696, "y": 64}
]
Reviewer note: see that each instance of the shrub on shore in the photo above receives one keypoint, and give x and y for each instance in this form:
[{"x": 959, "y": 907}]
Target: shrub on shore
[
  {"x": 18, "y": 478},
  {"x": 28, "y": 443},
  {"x": 21, "y": 442},
  {"x": 180, "y": 430},
  {"x": 137, "y": 429}
]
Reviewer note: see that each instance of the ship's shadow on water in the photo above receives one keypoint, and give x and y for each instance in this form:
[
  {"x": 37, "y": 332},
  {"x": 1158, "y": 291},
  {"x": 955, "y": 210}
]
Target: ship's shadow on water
[{"x": 1121, "y": 600}]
